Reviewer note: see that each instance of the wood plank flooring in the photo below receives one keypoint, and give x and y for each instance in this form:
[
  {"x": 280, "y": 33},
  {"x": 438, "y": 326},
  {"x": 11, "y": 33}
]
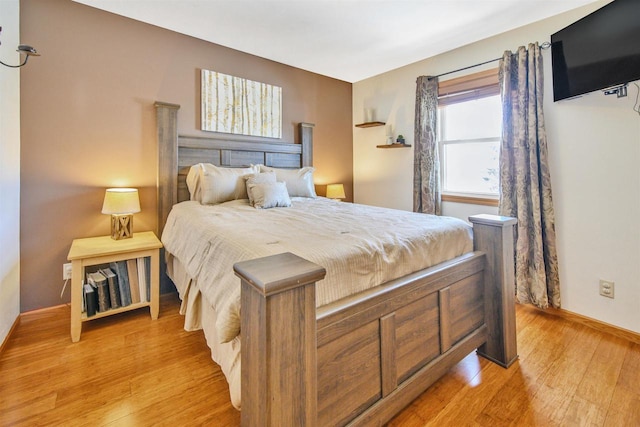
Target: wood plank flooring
[{"x": 130, "y": 371}]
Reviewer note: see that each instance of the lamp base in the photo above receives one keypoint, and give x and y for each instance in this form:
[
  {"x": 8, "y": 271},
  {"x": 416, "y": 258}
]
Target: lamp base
[{"x": 121, "y": 226}]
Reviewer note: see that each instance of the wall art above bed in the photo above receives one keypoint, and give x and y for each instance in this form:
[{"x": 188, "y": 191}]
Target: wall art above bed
[{"x": 240, "y": 106}]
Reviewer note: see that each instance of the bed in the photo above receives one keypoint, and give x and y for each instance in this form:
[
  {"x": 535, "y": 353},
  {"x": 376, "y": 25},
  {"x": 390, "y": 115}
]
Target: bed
[{"x": 346, "y": 359}]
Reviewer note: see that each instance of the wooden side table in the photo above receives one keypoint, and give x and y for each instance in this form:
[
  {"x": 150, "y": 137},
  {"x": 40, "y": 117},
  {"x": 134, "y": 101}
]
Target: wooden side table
[{"x": 103, "y": 250}]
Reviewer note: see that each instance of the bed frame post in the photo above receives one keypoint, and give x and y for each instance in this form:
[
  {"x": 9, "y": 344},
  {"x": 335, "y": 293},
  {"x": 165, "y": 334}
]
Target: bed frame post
[
  {"x": 278, "y": 340},
  {"x": 167, "y": 193},
  {"x": 167, "y": 124},
  {"x": 494, "y": 235},
  {"x": 306, "y": 139}
]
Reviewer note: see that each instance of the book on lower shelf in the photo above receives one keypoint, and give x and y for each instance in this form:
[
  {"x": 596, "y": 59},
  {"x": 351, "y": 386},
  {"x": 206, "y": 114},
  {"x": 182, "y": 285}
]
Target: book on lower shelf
[
  {"x": 120, "y": 269},
  {"x": 100, "y": 284},
  {"x": 114, "y": 290},
  {"x": 144, "y": 278},
  {"x": 147, "y": 266},
  {"x": 90, "y": 299},
  {"x": 132, "y": 269}
]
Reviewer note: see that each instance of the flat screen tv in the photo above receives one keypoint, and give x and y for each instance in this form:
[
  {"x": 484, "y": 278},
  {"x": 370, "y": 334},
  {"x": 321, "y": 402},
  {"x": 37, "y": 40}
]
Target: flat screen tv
[{"x": 599, "y": 51}]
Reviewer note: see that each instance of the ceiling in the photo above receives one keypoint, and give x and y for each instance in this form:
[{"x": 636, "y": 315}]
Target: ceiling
[{"x": 349, "y": 40}]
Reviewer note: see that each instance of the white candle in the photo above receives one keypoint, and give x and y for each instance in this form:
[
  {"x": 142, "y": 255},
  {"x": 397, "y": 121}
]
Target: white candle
[{"x": 368, "y": 115}]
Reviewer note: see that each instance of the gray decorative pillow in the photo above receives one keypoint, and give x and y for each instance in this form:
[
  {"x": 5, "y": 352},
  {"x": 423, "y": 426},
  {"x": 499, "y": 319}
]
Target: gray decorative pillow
[
  {"x": 258, "y": 178},
  {"x": 269, "y": 195}
]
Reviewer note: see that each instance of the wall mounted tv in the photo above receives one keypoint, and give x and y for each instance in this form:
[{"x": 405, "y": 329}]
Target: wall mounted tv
[{"x": 599, "y": 51}]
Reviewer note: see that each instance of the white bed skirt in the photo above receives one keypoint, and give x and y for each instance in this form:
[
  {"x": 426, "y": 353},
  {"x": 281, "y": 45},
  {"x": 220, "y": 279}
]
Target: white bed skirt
[{"x": 198, "y": 314}]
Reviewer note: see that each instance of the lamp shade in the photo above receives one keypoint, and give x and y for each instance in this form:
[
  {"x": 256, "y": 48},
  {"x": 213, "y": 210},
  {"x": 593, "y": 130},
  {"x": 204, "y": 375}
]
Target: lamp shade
[
  {"x": 335, "y": 191},
  {"x": 121, "y": 201}
]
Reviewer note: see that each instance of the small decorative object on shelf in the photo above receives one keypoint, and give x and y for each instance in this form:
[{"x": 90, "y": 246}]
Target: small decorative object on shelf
[
  {"x": 400, "y": 139},
  {"x": 368, "y": 115},
  {"x": 389, "y": 133}
]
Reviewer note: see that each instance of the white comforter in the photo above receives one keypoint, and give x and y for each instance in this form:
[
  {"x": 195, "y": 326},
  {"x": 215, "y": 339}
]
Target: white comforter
[{"x": 359, "y": 246}]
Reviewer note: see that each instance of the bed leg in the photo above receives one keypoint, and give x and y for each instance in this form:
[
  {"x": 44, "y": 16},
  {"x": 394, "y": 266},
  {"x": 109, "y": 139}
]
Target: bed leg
[
  {"x": 493, "y": 235},
  {"x": 278, "y": 339}
]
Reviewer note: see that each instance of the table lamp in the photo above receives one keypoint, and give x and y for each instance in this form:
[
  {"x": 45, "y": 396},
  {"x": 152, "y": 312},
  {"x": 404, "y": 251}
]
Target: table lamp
[
  {"x": 121, "y": 203},
  {"x": 335, "y": 191}
]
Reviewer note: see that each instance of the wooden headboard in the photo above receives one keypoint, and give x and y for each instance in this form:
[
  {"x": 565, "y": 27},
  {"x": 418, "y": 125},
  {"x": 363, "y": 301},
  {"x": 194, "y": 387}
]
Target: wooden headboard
[{"x": 177, "y": 153}]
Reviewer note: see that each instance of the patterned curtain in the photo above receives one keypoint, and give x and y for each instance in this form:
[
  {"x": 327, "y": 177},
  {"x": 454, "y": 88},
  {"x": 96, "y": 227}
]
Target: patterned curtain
[
  {"x": 525, "y": 183},
  {"x": 426, "y": 163}
]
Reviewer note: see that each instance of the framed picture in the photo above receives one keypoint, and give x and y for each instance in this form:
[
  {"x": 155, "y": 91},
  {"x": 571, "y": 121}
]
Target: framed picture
[{"x": 240, "y": 106}]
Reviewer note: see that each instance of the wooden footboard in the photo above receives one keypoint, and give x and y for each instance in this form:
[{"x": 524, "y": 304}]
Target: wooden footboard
[{"x": 362, "y": 359}]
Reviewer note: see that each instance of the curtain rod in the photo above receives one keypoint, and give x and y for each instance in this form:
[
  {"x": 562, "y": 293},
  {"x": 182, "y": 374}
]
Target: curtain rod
[{"x": 545, "y": 45}]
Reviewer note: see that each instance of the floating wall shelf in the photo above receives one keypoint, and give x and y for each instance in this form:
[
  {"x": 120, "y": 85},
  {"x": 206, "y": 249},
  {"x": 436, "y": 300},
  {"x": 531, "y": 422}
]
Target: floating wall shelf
[
  {"x": 370, "y": 124},
  {"x": 393, "y": 146}
]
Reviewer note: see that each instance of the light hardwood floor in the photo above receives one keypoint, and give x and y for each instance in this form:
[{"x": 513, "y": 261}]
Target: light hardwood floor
[{"x": 128, "y": 370}]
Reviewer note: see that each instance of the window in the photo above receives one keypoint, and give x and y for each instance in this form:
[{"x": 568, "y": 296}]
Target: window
[{"x": 470, "y": 120}]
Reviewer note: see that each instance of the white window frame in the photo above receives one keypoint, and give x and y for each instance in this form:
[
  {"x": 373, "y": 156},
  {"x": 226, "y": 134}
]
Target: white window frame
[{"x": 465, "y": 89}]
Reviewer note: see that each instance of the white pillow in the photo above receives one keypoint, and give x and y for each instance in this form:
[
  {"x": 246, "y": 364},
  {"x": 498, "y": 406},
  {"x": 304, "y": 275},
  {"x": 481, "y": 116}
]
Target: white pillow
[
  {"x": 258, "y": 178},
  {"x": 299, "y": 181},
  {"x": 219, "y": 184},
  {"x": 193, "y": 181},
  {"x": 269, "y": 195}
]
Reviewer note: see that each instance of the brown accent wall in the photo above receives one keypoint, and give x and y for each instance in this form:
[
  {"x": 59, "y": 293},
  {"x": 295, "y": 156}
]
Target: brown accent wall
[{"x": 88, "y": 123}]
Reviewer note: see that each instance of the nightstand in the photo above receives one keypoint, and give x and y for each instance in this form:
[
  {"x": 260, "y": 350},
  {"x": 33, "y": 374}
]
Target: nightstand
[{"x": 96, "y": 251}]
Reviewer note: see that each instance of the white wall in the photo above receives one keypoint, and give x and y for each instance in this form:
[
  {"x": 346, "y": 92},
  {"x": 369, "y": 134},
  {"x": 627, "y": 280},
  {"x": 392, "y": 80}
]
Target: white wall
[
  {"x": 594, "y": 151},
  {"x": 9, "y": 167}
]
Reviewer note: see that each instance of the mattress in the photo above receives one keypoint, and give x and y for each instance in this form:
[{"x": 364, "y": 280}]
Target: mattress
[{"x": 359, "y": 246}]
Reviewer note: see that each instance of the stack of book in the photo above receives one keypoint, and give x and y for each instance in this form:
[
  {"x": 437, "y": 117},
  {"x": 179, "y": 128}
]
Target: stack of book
[{"x": 120, "y": 284}]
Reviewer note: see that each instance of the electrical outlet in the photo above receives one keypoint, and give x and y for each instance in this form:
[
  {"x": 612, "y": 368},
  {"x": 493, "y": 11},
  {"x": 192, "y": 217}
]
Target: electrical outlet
[
  {"x": 66, "y": 271},
  {"x": 606, "y": 288}
]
